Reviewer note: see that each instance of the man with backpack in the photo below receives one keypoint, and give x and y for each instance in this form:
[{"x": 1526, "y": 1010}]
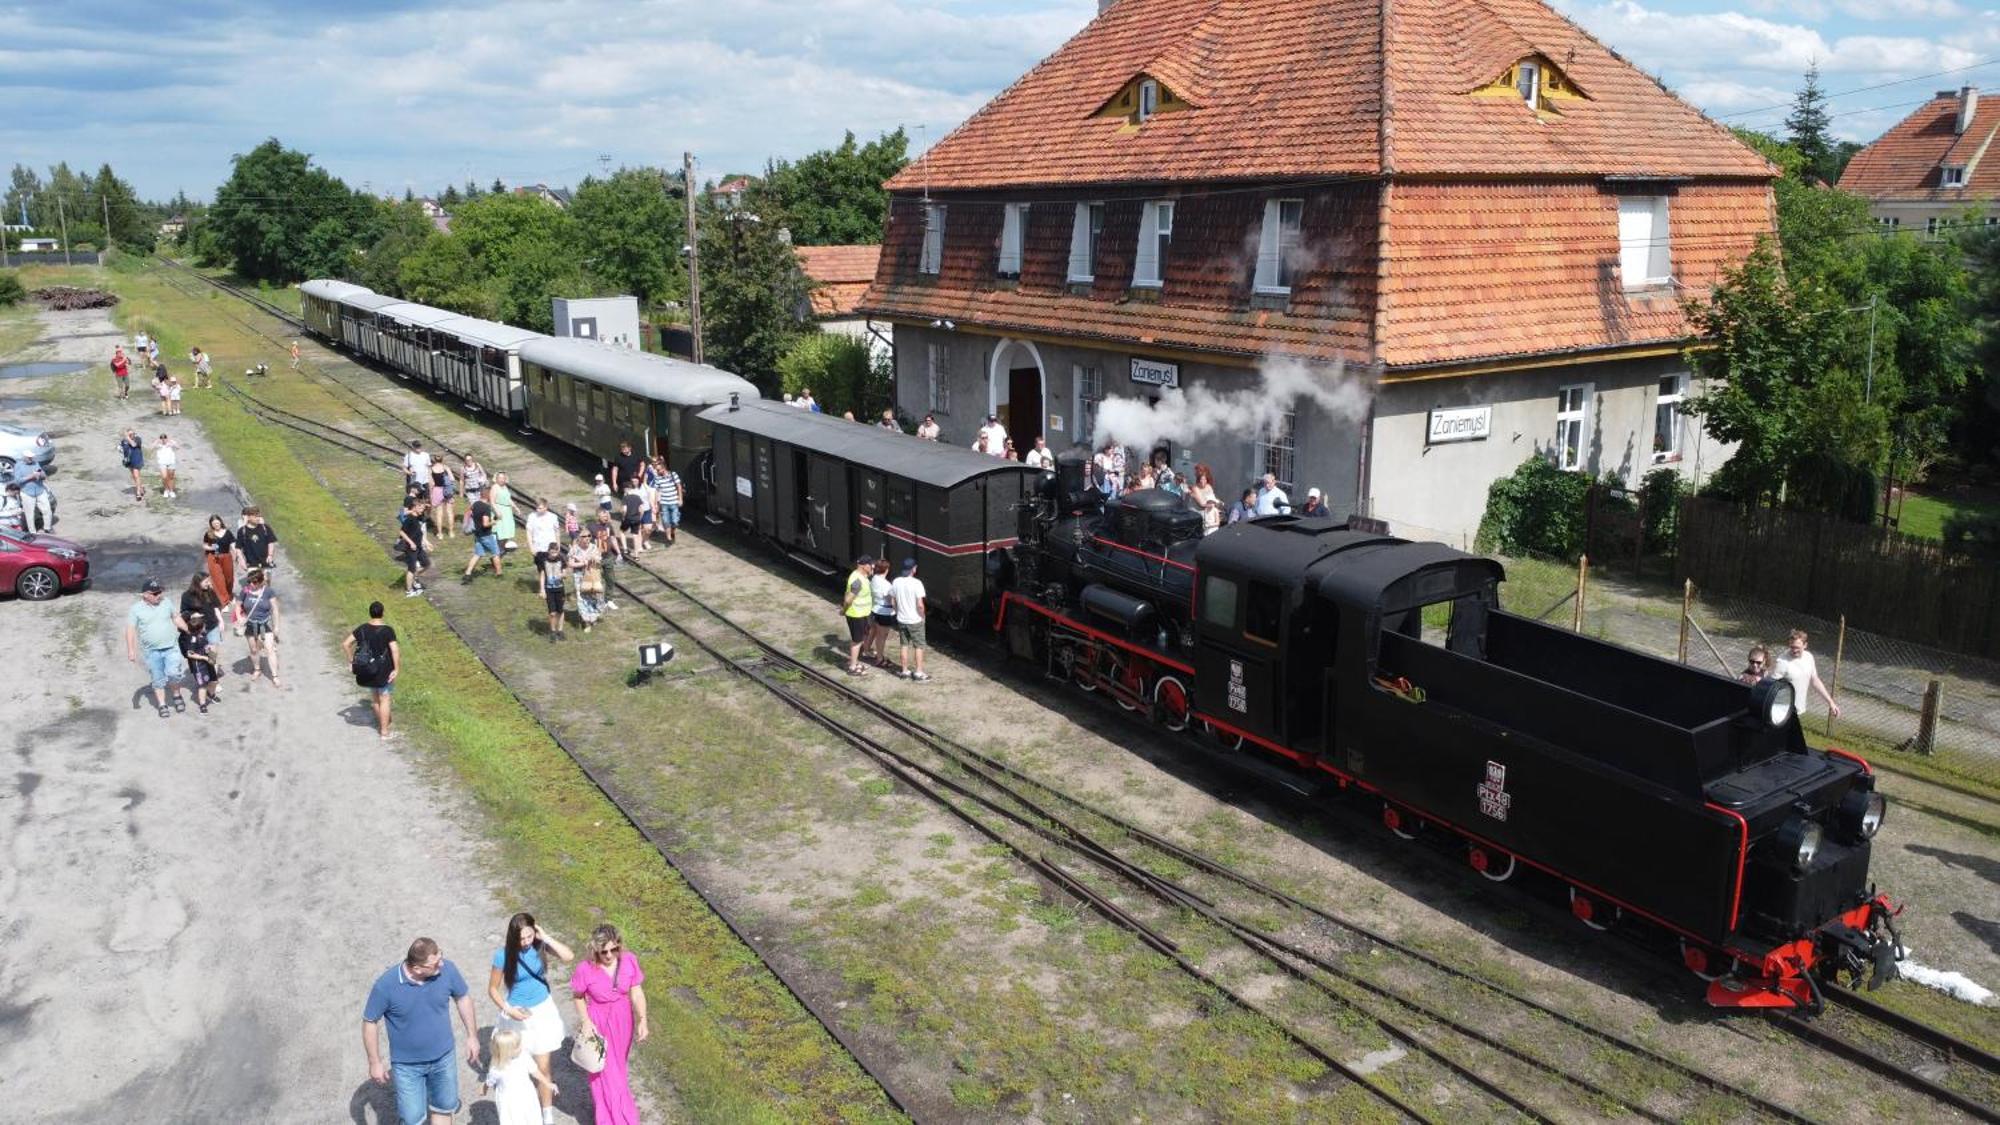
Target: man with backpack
[{"x": 375, "y": 658}]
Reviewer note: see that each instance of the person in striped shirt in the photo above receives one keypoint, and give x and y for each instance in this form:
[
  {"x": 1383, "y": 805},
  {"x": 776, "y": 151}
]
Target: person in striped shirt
[{"x": 671, "y": 497}]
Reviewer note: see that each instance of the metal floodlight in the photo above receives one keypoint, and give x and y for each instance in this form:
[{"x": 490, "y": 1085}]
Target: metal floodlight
[{"x": 654, "y": 654}]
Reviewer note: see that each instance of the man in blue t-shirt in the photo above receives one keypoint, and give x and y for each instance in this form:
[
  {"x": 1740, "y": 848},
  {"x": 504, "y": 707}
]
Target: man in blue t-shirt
[{"x": 415, "y": 999}]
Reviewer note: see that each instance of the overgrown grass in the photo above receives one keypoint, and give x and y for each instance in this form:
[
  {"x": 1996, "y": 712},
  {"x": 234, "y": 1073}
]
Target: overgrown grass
[
  {"x": 732, "y": 1042},
  {"x": 1924, "y": 515}
]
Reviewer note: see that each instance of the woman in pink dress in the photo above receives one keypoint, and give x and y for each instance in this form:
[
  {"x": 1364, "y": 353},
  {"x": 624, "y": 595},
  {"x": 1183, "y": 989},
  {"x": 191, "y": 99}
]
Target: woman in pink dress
[{"x": 609, "y": 1000}]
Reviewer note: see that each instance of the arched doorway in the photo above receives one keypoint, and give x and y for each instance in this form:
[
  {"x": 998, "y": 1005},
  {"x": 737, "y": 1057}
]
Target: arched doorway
[{"x": 1017, "y": 391}]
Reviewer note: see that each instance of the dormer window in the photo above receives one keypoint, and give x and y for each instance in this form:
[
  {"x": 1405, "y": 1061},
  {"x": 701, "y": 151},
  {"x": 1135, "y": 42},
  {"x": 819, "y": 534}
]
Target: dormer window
[
  {"x": 1149, "y": 98},
  {"x": 1951, "y": 175},
  {"x": 1528, "y": 80},
  {"x": 1142, "y": 98}
]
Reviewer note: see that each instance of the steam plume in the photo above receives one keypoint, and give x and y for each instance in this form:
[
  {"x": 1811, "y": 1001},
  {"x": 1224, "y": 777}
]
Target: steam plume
[{"x": 1203, "y": 414}]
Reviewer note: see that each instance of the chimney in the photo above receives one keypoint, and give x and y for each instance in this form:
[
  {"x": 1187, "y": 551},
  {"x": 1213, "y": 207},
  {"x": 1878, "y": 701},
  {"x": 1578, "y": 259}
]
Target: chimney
[
  {"x": 1968, "y": 104},
  {"x": 1104, "y": 6}
]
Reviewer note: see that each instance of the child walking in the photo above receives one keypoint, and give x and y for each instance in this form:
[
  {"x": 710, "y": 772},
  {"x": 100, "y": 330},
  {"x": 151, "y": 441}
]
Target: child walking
[
  {"x": 168, "y": 458},
  {"x": 200, "y": 656},
  {"x": 554, "y": 579},
  {"x": 510, "y": 1082}
]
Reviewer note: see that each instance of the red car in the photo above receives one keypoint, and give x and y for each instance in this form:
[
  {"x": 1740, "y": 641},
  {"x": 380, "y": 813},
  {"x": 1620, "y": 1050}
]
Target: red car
[{"x": 38, "y": 567}]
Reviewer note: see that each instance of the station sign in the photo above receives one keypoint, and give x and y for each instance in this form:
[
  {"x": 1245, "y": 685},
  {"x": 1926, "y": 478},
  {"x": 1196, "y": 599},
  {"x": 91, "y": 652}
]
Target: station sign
[
  {"x": 1460, "y": 423},
  {"x": 1155, "y": 372}
]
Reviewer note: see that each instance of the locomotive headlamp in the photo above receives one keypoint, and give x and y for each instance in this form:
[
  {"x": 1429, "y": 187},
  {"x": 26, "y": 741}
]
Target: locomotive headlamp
[
  {"x": 1773, "y": 702},
  {"x": 1799, "y": 841},
  {"x": 1861, "y": 813}
]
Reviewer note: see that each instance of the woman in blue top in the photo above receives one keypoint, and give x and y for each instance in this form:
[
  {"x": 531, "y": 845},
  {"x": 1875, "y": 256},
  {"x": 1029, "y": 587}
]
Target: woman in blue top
[{"x": 519, "y": 987}]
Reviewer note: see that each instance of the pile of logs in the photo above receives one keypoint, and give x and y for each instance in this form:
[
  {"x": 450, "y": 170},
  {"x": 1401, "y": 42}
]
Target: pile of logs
[{"x": 64, "y": 298}]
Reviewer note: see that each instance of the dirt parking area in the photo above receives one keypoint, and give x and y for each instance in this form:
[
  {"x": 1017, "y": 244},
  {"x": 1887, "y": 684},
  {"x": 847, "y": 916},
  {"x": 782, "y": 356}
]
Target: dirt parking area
[{"x": 194, "y": 907}]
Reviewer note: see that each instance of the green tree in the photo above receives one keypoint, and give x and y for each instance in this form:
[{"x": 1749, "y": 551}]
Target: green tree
[
  {"x": 441, "y": 272},
  {"x": 632, "y": 233},
  {"x": 404, "y": 229},
  {"x": 834, "y": 196},
  {"x": 273, "y": 200},
  {"x": 529, "y": 250},
  {"x": 840, "y": 370},
  {"x": 132, "y": 225},
  {"x": 753, "y": 293},
  {"x": 449, "y": 198},
  {"x": 1806, "y": 127}
]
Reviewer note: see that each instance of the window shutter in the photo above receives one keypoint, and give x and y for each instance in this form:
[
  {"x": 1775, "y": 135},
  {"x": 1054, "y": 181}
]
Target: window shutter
[
  {"x": 1079, "y": 244},
  {"x": 1635, "y": 234},
  {"x": 1267, "y": 248},
  {"x": 1010, "y": 240},
  {"x": 1146, "y": 266}
]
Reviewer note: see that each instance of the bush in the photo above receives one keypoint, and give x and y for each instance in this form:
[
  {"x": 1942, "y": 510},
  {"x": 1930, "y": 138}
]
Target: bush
[
  {"x": 840, "y": 370},
  {"x": 1538, "y": 510},
  {"x": 1973, "y": 533},
  {"x": 1660, "y": 495},
  {"x": 11, "y": 289}
]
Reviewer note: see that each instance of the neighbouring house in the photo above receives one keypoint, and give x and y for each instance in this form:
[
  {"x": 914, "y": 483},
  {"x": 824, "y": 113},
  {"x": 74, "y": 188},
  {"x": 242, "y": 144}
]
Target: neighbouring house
[
  {"x": 1425, "y": 239},
  {"x": 558, "y": 196},
  {"x": 435, "y": 212},
  {"x": 173, "y": 227},
  {"x": 1931, "y": 171},
  {"x": 729, "y": 193},
  {"x": 39, "y": 245},
  {"x": 840, "y": 277}
]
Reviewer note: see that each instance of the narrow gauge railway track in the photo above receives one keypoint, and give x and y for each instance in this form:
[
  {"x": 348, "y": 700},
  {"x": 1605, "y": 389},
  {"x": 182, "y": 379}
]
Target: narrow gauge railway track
[
  {"x": 1294, "y": 959},
  {"x": 1906, "y": 1051},
  {"x": 982, "y": 790}
]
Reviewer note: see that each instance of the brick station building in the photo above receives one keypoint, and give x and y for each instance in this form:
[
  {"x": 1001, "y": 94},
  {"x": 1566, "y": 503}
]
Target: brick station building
[{"x": 1472, "y": 223}]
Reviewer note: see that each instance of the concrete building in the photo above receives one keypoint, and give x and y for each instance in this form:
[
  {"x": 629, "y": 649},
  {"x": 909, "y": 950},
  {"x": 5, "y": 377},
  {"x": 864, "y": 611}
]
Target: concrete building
[
  {"x": 1390, "y": 253},
  {"x": 1932, "y": 170},
  {"x": 614, "y": 320}
]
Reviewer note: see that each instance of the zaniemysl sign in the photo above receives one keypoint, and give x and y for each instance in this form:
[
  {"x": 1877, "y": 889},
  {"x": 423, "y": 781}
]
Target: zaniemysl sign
[
  {"x": 1460, "y": 423},
  {"x": 1156, "y": 372}
]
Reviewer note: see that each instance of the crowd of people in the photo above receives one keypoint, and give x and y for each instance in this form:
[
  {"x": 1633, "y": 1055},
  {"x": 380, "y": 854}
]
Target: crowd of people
[
  {"x": 876, "y": 608},
  {"x": 413, "y": 1002},
  {"x": 1796, "y": 666},
  {"x": 182, "y": 642}
]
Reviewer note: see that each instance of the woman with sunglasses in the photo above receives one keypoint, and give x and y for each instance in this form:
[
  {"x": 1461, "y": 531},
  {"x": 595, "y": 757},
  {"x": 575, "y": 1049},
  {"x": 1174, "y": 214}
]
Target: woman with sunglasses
[
  {"x": 1758, "y": 666},
  {"x": 610, "y": 1003}
]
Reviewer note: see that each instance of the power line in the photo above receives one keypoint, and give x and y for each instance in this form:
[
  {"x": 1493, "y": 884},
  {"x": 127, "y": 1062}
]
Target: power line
[{"x": 1863, "y": 89}]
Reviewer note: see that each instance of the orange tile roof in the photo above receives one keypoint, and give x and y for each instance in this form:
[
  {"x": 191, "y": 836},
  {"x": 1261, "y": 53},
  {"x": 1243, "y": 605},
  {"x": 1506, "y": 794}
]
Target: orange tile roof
[
  {"x": 1290, "y": 88},
  {"x": 1903, "y": 162},
  {"x": 840, "y": 276}
]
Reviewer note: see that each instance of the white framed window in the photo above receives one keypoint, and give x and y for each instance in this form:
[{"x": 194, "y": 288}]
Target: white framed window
[
  {"x": 1277, "y": 245},
  {"x": 1572, "y": 424},
  {"x": 1083, "y": 236},
  {"x": 1643, "y": 258},
  {"x": 1888, "y": 222},
  {"x": 938, "y": 374},
  {"x": 1951, "y": 175},
  {"x": 1149, "y": 98},
  {"x": 932, "y": 260},
  {"x": 1528, "y": 80},
  {"x": 1667, "y": 419},
  {"x": 1013, "y": 229},
  {"x": 1274, "y": 453},
  {"x": 1156, "y": 236},
  {"x": 1089, "y": 383}
]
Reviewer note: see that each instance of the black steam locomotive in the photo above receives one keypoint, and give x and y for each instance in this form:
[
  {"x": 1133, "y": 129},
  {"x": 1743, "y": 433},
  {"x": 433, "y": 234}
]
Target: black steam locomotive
[{"x": 1387, "y": 668}]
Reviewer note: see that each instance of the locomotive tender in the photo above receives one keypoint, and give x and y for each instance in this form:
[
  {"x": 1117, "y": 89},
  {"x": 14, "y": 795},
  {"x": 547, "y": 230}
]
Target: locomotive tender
[{"x": 1330, "y": 651}]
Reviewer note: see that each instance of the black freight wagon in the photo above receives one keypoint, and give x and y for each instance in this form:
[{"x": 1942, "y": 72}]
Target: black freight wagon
[{"x": 827, "y": 490}]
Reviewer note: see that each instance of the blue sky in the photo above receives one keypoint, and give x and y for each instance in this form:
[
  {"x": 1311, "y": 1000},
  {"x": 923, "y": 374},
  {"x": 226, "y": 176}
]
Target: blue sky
[{"x": 402, "y": 94}]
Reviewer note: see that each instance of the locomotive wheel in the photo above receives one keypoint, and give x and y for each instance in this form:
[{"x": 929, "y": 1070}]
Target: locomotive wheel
[
  {"x": 1498, "y": 867},
  {"x": 1170, "y": 696},
  {"x": 1700, "y": 961},
  {"x": 1591, "y": 912},
  {"x": 1082, "y": 670},
  {"x": 1222, "y": 737},
  {"x": 1394, "y": 820},
  {"x": 1131, "y": 693}
]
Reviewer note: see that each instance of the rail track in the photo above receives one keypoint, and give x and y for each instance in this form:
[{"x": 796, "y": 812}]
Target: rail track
[{"x": 1114, "y": 868}]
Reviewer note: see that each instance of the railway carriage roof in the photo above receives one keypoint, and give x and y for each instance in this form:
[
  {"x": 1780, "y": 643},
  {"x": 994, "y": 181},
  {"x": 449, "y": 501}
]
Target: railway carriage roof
[
  {"x": 658, "y": 377},
  {"x": 897, "y": 454},
  {"x": 329, "y": 290},
  {"x": 409, "y": 312},
  {"x": 487, "y": 333},
  {"x": 370, "y": 300}
]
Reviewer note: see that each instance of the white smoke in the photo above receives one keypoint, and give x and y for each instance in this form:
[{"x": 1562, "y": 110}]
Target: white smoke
[{"x": 1202, "y": 413}]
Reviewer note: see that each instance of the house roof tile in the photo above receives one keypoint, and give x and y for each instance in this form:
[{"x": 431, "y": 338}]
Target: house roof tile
[
  {"x": 1903, "y": 163},
  {"x": 840, "y": 276}
]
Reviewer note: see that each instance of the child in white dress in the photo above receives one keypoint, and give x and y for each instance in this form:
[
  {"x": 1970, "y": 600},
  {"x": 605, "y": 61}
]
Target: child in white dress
[{"x": 510, "y": 1081}]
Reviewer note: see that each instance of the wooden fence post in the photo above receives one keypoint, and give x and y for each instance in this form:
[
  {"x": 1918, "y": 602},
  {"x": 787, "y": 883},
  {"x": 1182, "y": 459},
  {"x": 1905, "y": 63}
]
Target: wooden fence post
[
  {"x": 1687, "y": 612},
  {"x": 1926, "y": 740},
  {"x": 1833, "y": 687},
  {"x": 1582, "y": 581}
]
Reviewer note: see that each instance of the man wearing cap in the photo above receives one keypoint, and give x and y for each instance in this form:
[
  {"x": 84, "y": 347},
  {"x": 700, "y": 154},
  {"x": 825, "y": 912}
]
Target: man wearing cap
[
  {"x": 857, "y": 605},
  {"x": 1314, "y": 505},
  {"x": 485, "y": 544},
  {"x": 154, "y": 627}
]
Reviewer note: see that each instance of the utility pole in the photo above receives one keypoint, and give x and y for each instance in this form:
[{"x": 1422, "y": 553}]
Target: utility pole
[
  {"x": 106, "y": 197},
  {"x": 63, "y": 222},
  {"x": 693, "y": 255}
]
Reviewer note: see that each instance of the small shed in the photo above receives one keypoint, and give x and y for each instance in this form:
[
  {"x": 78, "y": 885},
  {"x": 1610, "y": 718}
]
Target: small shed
[{"x": 614, "y": 320}]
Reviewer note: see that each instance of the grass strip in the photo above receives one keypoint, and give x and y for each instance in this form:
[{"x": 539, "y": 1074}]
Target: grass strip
[{"x": 729, "y": 1038}]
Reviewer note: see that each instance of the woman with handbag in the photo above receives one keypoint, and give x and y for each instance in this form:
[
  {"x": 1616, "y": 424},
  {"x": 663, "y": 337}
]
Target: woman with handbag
[
  {"x": 611, "y": 1017},
  {"x": 519, "y": 987}
]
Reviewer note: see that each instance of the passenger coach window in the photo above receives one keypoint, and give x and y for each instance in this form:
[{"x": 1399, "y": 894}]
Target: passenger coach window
[
  {"x": 1218, "y": 601},
  {"x": 1262, "y": 612},
  {"x": 902, "y": 503}
]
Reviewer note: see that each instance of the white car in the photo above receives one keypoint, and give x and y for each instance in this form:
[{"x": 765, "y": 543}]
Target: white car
[{"x": 17, "y": 444}]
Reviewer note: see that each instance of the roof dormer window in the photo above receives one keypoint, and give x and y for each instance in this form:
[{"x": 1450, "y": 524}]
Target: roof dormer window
[
  {"x": 1142, "y": 98},
  {"x": 1535, "y": 80},
  {"x": 1149, "y": 98},
  {"x": 1951, "y": 175},
  {"x": 1528, "y": 80}
]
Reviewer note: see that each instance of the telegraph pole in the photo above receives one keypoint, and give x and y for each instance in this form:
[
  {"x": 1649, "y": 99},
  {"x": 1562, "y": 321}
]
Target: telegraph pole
[
  {"x": 694, "y": 255},
  {"x": 63, "y": 222},
  {"x": 106, "y": 197}
]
